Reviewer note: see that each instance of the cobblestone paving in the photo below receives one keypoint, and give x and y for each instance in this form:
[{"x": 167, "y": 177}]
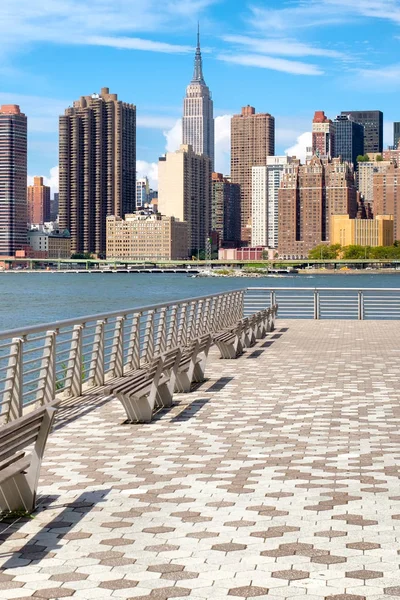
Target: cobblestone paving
[{"x": 278, "y": 478}]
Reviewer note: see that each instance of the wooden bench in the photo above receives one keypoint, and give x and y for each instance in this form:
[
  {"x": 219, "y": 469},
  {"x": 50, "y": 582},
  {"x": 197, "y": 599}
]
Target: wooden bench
[
  {"x": 193, "y": 363},
  {"x": 146, "y": 389},
  {"x": 19, "y": 472}
]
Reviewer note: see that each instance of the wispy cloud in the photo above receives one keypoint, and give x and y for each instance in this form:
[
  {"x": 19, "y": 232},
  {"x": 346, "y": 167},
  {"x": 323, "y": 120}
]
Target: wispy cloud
[
  {"x": 269, "y": 62},
  {"x": 281, "y": 47},
  {"x": 96, "y": 22},
  {"x": 311, "y": 13},
  {"x": 380, "y": 79}
]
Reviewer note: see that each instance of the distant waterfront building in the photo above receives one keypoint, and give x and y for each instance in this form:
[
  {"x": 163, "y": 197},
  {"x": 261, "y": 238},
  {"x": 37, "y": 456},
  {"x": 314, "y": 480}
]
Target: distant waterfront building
[
  {"x": 396, "y": 134},
  {"x": 362, "y": 232},
  {"x": 372, "y": 121},
  {"x": 142, "y": 192},
  {"x": 266, "y": 182},
  {"x": 349, "y": 139},
  {"x": 323, "y": 135},
  {"x": 184, "y": 192},
  {"x": 147, "y": 237},
  {"x": 308, "y": 197},
  {"x": 13, "y": 179},
  {"x": 97, "y": 167},
  {"x": 54, "y": 245},
  {"x": 225, "y": 210},
  {"x": 252, "y": 141},
  {"x": 54, "y": 207},
  {"x": 198, "y": 115},
  {"x": 387, "y": 195},
  {"x": 38, "y": 202},
  {"x": 365, "y": 177}
]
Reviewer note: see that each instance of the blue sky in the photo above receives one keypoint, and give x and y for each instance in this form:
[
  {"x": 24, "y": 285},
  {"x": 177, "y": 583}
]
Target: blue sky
[{"x": 288, "y": 58}]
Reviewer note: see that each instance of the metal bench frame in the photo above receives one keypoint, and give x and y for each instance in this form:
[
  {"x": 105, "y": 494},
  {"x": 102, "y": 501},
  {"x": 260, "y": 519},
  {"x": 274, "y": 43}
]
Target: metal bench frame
[{"x": 193, "y": 363}]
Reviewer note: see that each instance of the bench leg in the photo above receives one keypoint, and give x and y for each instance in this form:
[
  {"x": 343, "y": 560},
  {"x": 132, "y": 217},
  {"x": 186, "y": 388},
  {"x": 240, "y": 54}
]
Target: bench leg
[
  {"x": 230, "y": 350},
  {"x": 138, "y": 409},
  {"x": 183, "y": 382},
  {"x": 199, "y": 371},
  {"x": 164, "y": 396},
  {"x": 17, "y": 494}
]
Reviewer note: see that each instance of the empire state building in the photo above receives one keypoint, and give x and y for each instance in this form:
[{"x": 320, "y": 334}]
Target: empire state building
[{"x": 198, "y": 118}]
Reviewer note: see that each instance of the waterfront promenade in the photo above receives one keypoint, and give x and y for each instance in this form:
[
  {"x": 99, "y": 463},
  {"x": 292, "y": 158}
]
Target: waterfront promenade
[{"x": 277, "y": 478}]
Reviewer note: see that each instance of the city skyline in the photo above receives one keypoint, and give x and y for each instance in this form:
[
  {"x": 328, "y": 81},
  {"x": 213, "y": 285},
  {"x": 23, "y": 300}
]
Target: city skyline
[{"x": 298, "y": 62}]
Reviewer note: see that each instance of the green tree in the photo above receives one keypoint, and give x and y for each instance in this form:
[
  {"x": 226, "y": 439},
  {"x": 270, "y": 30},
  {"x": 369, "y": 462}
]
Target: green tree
[
  {"x": 82, "y": 256},
  {"x": 356, "y": 252},
  {"x": 379, "y": 158},
  {"x": 363, "y": 158},
  {"x": 325, "y": 252}
]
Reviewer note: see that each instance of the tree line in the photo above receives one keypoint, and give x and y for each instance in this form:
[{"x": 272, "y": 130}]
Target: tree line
[{"x": 333, "y": 251}]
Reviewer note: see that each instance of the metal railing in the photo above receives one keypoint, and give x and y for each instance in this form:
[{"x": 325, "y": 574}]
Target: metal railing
[
  {"x": 61, "y": 359},
  {"x": 326, "y": 303}
]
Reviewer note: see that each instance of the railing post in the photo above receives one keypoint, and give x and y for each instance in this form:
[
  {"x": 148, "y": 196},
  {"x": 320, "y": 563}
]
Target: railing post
[
  {"x": 117, "y": 350},
  {"x": 133, "y": 358},
  {"x": 172, "y": 337},
  {"x": 182, "y": 329},
  {"x": 148, "y": 342},
  {"x": 316, "y": 304},
  {"x": 360, "y": 305},
  {"x": 240, "y": 306},
  {"x": 73, "y": 380},
  {"x": 273, "y": 298},
  {"x": 12, "y": 406},
  {"x": 190, "y": 322},
  {"x": 96, "y": 369},
  {"x": 206, "y": 317},
  {"x": 161, "y": 339},
  {"x": 199, "y": 312}
]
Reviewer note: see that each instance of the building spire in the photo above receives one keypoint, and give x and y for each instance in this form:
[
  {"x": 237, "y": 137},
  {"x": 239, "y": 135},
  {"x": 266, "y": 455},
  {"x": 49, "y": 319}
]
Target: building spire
[{"x": 198, "y": 62}]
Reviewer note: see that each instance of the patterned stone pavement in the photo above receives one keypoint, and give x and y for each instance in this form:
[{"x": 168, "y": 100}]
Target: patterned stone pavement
[{"x": 277, "y": 478}]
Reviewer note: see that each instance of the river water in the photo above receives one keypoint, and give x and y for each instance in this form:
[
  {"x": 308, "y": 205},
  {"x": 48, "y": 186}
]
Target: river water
[{"x": 34, "y": 298}]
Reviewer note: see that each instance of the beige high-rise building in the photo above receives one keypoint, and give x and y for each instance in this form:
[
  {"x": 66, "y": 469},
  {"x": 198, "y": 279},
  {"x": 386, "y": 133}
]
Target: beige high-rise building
[
  {"x": 38, "y": 202},
  {"x": 362, "y": 232},
  {"x": 97, "y": 168},
  {"x": 365, "y": 177},
  {"x": 252, "y": 140},
  {"x": 308, "y": 197},
  {"x": 184, "y": 192},
  {"x": 147, "y": 237},
  {"x": 387, "y": 196}
]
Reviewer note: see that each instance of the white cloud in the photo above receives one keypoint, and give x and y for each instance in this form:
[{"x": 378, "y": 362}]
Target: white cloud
[
  {"x": 380, "y": 79},
  {"x": 223, "y": 144},
  {"x": 130, "y": 43},
  {"x": 173, "y": 136},
  {"x": 147, "y": 169},
  {"x": 299, "y": 149},
  {"x": 282, "y": 47},
  {"x": 269, "y": 62},
  {"x": 51, "y": 180}
]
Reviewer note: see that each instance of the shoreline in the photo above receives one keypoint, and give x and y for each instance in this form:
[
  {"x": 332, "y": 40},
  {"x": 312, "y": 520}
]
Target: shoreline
[{"x": 209, "y": 274}]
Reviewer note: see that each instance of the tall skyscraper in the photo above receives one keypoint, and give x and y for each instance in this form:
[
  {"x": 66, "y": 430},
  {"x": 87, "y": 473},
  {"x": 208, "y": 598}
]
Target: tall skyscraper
[
  {"x": 252, "y": 140},
  {"x": 372, "y": 121},
  {"x": 198, "y": 116},
  {"x": 396, "y": 134},
  {"x": 349, "y": 139},
  {"x": 225, "y": 210},
  {"x": 184, "y": 192},
  {"x": 13, "y": 179},
  {"x": 309, "y": 195},
  {"x": 323, "y": 135},
  {"x": 265, "y": 207},
  {"x": 97, "y": 168},
  {"x": 365, "y": 178},
  {"x": 387, "y": 195},
  {"x": 38, "y": 202}
]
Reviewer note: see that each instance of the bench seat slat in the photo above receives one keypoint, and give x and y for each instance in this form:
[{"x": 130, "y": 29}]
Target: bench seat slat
[
  {"x": 11, "y": 459},
  {"x": 13, "y": 443}
]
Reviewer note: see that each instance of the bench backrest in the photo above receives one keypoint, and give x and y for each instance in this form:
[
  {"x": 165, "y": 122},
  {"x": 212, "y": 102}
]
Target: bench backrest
[
  {"x": 20, "y": 434},
  {"x": 204, "y": 342},
  {"x": 171, "y": 358}
]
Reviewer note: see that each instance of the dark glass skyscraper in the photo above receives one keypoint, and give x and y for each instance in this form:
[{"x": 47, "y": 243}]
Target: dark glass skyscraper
[
  {"x": 396, "y": 134},
  {"x": 349, "y": 139},
  {"x": 372, "y": 121}
]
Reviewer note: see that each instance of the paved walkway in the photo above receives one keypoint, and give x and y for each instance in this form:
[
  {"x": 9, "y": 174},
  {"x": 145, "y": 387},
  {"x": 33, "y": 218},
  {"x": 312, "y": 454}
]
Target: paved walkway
[{"x": 278, "y": 478}]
